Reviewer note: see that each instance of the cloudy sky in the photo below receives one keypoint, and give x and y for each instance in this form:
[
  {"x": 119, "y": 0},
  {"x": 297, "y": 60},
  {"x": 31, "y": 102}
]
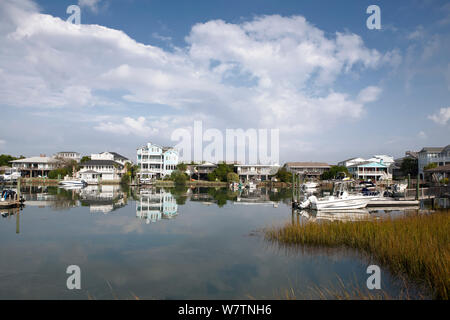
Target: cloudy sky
[{"x": 134, "y": 71}]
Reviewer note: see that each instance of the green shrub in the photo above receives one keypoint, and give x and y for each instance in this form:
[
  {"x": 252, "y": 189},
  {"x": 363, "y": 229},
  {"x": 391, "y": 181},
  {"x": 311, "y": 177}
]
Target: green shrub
[{"x": 232, "y": 177}]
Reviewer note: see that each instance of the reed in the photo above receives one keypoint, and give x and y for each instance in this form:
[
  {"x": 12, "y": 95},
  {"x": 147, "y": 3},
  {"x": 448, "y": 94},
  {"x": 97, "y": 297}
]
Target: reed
[{"x": 417, "y": 246}]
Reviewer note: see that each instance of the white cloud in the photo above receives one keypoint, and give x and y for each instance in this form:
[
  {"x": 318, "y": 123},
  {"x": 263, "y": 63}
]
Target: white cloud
[
  {"x": 272, "y": 71},
  {"x": 369, "y": 94},
  {"x": 442, "y": 117}
]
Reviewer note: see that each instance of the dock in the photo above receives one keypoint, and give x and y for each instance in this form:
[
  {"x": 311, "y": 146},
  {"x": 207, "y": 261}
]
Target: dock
[
  {"x": 393, "y": 203},
  {"x": 10, "y": 204}
]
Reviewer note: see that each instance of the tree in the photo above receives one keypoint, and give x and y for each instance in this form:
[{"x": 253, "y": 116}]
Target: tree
[
  {"x": 182, "y": 166},
  {"x": 85, "y": 158},
  {"x": 283, "y": 175},
  {"x": 232, "y": 177},
  {"x": 334, "y": 172},
  {"x": 6, "y": 158},
  {"x": 409, "y": 166},
  {"x": 221, "y": 172},
  {"x": 179, "y": 178},
  {"x": 431, "y": 165}
]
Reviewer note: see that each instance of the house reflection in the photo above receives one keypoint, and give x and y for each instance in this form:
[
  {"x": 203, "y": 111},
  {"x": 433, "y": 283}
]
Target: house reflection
[
  {"x": 47, "y": 196},
  {"x": 103, "y": 198},
  {"x": 156, "y": 204},
  {"x": 261, "y": 196}
]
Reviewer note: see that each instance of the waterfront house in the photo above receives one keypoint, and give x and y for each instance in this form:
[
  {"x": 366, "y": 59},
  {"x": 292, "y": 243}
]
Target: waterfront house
[
  {"x": 105, "y": 166},
  {"x": 307, "y": 169},
  {"x": 35, "y": 166},
  {"x": 256, "y": 172},
  {"x": 113, "y": 156},
  {"x": 369, "y": 170},
  {"x": 68, "y": 155},
  {"x": 438, "y": 155},
  {"x": 201, "y": 171},
  {"x": 375, "y": 168},
  {"x": 155, "y": 162}
]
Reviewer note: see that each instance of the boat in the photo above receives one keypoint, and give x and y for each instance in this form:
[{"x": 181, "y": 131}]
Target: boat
[
  {"x": 340, "y": 200},
  {"x": 73, "y": 183},
  {"x": 309, "y": 185}
]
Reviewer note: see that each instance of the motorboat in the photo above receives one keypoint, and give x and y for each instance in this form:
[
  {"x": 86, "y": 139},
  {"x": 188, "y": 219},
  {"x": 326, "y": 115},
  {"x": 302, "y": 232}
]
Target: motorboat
[
  {"x": 340, "y": 200},
  {"x": 73, "y": 183},
  {"x": 310, "y": 185}
]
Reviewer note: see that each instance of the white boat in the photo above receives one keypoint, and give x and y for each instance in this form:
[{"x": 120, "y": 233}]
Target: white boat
[
  {"x": 341, "y": 200},
  {"x": 310, "y": 185},
  {"x": 73, "y": 183}
]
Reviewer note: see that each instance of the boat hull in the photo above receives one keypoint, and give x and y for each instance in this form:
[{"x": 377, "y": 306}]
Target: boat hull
[{"x": 340, "y": 204}]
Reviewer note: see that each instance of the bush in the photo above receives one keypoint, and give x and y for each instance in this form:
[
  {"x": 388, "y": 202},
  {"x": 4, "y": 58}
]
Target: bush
[
  {"x": 232, "y": 177},
  {"x": 179, "y": 178},
  {"x": 444, "y": 181},
  {"x": 283, "y": 175},
  {"x": 62, "y": 172}
]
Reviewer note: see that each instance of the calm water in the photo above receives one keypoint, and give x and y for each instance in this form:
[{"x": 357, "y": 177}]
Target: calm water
[{"x": 203, "y": 243}]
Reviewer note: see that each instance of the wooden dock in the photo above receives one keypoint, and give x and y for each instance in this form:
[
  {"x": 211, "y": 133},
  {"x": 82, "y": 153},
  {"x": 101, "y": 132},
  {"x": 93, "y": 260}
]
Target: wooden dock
[
  {"x": 393, "y": 203},
  {"x": 10, "y": 204}
]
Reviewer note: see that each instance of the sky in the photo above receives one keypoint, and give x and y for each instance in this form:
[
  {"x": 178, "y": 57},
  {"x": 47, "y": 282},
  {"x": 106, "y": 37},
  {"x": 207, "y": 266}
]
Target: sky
[{"x": 135, "y": 71}]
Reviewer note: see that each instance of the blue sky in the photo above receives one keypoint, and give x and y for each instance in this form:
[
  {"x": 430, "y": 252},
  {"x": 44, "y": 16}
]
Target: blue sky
[{"x": 312, "y": 69}]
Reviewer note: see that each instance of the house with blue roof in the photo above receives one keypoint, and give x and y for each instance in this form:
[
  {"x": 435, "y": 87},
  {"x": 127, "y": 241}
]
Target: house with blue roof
[{"x": 372, "y": 170}]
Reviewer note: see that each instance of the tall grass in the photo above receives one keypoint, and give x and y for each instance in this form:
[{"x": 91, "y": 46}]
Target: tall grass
[{"x": 417, "y": 245}]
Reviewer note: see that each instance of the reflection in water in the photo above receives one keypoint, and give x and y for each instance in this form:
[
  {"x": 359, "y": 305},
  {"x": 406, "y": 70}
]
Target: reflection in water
[
  {"x": 349, "y": 215},
  {"x": 103, "y": 198},
  {"x": 156, "y": 204},
  {"x": 210, "y": 244}
]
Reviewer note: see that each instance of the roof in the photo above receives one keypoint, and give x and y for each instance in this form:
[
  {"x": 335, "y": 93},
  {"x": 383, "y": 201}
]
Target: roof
[
  {"x": 99, "y": 163},
  {"x": 36, "y": 160},
  {"x": 116, "y": 155},
  {"x": 431, "y": 149},
  {"x": 369, "y": 164},
  {"x": 308, "y": 164},
  {"x": 90, "y": 171},
  {"x": 67, "y": 152},
  {"x": 256, "y": 165},
  {"x": 206, "y": 164},
  {"x": 445, "y": 168}
]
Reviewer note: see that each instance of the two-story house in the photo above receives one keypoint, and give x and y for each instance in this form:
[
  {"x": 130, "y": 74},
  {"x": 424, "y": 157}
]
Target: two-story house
[
  {"x": 438, "y": 155},
  {"x": 155, "y": 162},
  {"x": 105, "y": 166}
]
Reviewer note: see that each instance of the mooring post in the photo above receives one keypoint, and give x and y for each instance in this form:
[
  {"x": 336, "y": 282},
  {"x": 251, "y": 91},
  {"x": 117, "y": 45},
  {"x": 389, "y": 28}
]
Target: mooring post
[
  {"x": 417, "y": 187},
  {"x": 18, "y": 189}
]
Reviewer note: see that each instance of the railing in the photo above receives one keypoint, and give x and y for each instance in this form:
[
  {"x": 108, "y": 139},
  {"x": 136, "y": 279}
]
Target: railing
[{"x": 430, "y": 192}]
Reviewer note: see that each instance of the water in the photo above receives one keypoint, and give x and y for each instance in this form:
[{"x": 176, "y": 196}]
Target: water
[{"x": 203, "y": 243}]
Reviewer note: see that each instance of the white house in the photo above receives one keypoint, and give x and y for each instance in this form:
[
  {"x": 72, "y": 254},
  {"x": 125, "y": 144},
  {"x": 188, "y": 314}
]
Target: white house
[
  {"x": 439, "y": 155},
  {"x": 155, "y": 161},
  {"x": 257, "y": 172},
  {"x": 105, "y": 166},
  {"x": 308, "y": 169},
  {"x": 375, "y": 168},
  {"x": 35, "y": 166},
  {"x": 68, "y": 155}
]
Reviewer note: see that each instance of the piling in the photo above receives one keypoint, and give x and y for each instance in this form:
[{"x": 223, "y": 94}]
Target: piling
[{"x": 417, "y": 187}]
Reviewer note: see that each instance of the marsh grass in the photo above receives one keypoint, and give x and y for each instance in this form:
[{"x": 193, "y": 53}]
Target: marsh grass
[{"x": 417, "y": 246}]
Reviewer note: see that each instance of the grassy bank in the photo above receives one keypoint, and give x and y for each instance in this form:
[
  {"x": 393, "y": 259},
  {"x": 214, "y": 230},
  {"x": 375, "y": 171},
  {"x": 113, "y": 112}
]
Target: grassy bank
[{"x": 417, "y": 246}]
